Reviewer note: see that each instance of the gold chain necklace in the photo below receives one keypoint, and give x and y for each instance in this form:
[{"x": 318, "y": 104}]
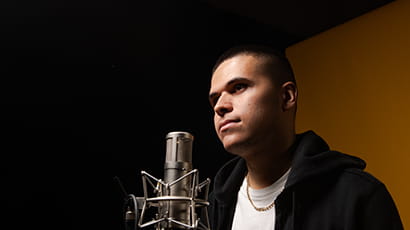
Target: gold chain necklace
[{"x": 263, "y": 209}]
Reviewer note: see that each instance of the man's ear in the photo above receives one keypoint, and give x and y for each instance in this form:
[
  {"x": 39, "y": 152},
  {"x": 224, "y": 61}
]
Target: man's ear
[{"x": 289, "y": 95}]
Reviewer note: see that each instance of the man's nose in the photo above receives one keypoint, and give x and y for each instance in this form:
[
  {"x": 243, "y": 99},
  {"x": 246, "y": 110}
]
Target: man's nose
[{"x": 224, "y": 105}]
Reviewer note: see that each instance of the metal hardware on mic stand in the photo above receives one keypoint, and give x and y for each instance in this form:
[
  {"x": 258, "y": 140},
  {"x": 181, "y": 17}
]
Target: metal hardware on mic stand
[{"x": 175, "y": 199}]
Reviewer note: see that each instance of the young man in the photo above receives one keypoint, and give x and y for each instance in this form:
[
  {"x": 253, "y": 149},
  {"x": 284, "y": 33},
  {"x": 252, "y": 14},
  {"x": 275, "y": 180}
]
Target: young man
[{"x": 280, "y": 179}]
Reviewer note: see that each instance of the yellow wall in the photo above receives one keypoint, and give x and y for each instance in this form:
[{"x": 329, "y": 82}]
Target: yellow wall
[{"x": 354, "y": 91}]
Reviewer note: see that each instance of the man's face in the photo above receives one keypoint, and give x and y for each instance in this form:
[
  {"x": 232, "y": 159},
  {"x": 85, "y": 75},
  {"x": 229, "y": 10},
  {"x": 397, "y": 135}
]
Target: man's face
[{"x": 247, "y": 105}]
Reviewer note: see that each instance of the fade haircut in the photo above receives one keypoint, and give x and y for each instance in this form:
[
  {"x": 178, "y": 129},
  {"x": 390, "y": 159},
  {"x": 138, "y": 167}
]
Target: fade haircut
[{"x": 277, "y": 64}]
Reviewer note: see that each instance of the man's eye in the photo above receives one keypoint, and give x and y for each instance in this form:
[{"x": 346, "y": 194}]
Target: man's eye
[{"x": 239, "y": 87}]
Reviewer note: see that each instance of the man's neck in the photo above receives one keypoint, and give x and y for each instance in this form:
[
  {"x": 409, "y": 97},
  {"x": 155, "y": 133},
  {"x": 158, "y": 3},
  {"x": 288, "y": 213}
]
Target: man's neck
[{"x": 265, "y": 169}]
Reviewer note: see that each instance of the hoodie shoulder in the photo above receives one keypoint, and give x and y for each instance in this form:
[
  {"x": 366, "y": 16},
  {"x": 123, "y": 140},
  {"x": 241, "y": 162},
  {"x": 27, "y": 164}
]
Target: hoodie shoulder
[{"x": 363, "y": 176}]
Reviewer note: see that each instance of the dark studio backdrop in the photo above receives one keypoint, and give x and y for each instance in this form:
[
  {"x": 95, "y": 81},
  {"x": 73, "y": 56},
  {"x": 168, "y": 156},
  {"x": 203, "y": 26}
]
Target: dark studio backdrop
[{"x": 89, "y": 91}]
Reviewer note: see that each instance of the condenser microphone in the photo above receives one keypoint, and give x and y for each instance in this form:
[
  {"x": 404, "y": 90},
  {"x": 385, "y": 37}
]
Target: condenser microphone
[
  {"x": 177, "y": 197},
  {"x": 178, "y": 162}
]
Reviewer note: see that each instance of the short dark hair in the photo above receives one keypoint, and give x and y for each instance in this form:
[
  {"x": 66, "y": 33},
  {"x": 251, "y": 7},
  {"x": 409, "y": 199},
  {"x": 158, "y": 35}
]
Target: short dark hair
[{"x": 277, "y": 60}]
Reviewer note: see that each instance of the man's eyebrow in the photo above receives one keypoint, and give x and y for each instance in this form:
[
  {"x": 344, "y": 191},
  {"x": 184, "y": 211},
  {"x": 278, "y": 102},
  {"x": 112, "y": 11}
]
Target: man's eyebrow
[{"x": 232, "y": 81}]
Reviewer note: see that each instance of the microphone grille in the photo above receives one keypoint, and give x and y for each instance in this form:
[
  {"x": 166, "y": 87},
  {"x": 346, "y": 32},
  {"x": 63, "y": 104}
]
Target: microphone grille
[{"x": 179, "y": 147}]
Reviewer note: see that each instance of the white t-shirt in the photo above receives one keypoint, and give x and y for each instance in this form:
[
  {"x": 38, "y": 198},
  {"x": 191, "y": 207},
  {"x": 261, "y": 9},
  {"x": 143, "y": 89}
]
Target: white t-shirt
[{"x": 246, "y": 217}]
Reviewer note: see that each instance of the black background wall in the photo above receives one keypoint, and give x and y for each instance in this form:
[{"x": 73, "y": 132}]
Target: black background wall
[{"x": 89, "y": 89}]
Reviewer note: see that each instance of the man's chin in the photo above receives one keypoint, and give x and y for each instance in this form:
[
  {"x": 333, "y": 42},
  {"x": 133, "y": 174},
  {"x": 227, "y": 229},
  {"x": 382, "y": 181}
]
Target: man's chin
[{"x": 232, "y": 144}]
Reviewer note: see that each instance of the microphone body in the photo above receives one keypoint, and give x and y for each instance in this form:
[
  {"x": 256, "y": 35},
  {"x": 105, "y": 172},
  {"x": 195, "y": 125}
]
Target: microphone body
[{"x": 178, "y": 162}]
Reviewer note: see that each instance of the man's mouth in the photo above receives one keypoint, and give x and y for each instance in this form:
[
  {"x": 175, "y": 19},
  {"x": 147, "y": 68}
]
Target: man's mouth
[{"x": 227, "y": 124}]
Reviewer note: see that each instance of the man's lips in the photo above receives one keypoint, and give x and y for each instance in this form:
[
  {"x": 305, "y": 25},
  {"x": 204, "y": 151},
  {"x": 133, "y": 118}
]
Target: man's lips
[{"x": 224, "y": 125}]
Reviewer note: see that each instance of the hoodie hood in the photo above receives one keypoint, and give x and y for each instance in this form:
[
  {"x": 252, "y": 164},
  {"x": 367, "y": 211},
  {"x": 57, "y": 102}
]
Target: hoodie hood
[{"x": 312, "y": 157}]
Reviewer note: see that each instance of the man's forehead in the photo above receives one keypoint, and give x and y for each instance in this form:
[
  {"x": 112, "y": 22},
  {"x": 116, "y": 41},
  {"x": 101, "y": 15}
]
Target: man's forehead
[{"x": 237, "y": 66}]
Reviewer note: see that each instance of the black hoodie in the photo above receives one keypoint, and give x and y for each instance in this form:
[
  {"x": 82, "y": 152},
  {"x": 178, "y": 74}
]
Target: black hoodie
[{"x": 325, "y": 190}]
